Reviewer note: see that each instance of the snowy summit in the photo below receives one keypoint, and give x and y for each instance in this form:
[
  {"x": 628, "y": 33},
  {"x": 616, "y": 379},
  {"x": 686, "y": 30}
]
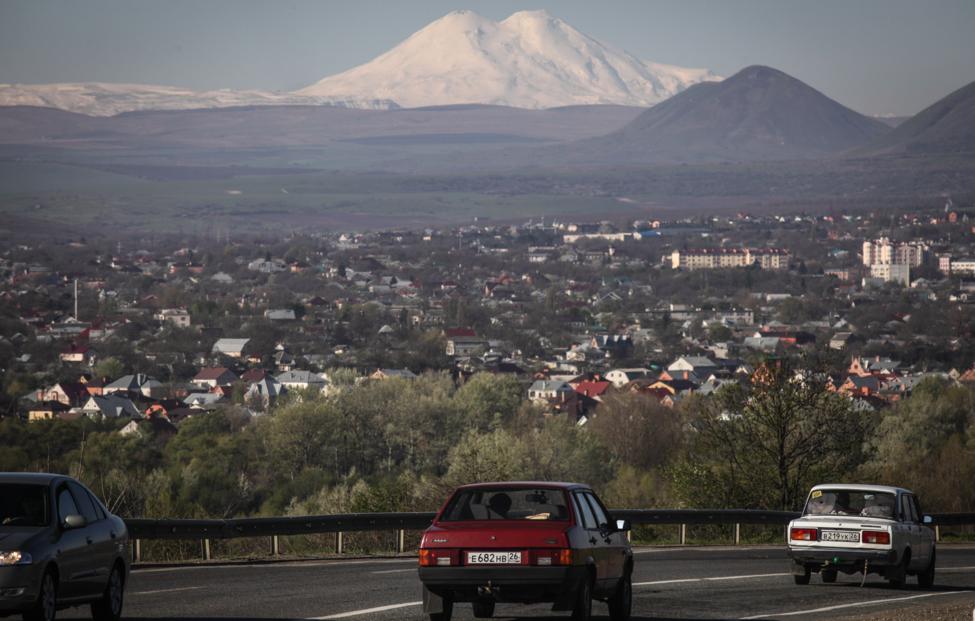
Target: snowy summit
[{"x": 529, "y": 60}]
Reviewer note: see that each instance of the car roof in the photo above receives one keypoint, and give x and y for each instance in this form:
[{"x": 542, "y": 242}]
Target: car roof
[
  {"x": 538, "y": 484},
  {"x": 36, "y": 478},
  {"x": 866, "y": 487}
]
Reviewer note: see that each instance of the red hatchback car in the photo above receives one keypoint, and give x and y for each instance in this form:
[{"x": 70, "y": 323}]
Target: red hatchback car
[{"x": 525, "y": 542}]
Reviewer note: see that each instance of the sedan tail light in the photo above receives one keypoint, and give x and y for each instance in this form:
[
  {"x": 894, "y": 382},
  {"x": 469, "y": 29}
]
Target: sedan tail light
[
  {"x": 436, "y": 558},
  {"x": 803, "y": 534},
  {"x": 558, "y": 556},
  {"x": 880, "y": 537}
]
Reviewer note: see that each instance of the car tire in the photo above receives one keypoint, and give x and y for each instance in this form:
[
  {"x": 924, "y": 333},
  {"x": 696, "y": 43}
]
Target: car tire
[
  {"x": 46, "y": 606},
  {"x": 582, "y": 611},
  {"x": 446, "y": 612},
  {"x": 483, "y": 610},
  {"x": 621, "y": 603},
  {"x": 926, "y": 578},
  {"x": 109, "y": 606},
  {"x": 828, "y": 576},
  {"x": 897, "y": 576},
  {"x": 801, "y": 578}
]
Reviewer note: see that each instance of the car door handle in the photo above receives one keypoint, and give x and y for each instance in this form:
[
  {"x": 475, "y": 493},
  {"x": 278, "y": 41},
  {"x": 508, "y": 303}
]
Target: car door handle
[
  {"x": 113, "y": 534},
  {"x": 89, "y": 540}
]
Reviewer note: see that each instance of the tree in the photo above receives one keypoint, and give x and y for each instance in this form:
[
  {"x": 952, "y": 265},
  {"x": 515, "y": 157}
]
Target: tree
[
  {"x": 637, "y": 430},
  {"x": 763, "y": 445}
]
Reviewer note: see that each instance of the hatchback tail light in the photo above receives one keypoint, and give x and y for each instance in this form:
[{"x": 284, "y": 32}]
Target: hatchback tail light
[
  {"x": 803, "y": 534},
  {"x": 430, "y": 557},
  {"x": 880, "y": 537},
  {"x": 559, "y": 556}
]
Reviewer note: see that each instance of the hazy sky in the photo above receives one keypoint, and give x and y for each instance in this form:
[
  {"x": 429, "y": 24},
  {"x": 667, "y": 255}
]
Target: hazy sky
[{"x": 876, "y": 56}]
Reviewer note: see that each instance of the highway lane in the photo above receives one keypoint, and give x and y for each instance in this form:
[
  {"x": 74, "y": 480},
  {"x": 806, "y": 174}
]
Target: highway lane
[{"x": 669, "y": 583}]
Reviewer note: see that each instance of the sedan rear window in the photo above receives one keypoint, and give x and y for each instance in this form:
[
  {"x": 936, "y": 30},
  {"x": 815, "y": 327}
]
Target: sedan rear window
[
  {"x": 523, "y": 503},
  {"x": 850, "y": 502},
  {"x": 23, "y": 504}
]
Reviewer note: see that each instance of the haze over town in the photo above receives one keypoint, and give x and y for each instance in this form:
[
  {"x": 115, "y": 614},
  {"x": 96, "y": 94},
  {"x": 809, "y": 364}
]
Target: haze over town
[{"x": 280, "y": 259}]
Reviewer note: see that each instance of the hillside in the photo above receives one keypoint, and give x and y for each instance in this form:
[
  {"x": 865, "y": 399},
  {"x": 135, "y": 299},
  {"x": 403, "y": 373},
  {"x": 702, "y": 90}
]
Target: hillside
[{"x": 945, "y": 127}]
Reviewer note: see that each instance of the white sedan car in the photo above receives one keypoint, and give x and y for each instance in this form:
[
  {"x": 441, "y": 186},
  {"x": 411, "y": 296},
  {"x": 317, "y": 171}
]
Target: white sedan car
[{"x": 862, "y": 529}]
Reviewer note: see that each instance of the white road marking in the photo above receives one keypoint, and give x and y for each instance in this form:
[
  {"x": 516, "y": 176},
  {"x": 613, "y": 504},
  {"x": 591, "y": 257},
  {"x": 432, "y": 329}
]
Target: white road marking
[
  {"x": 356, "y": 613},
  {"x": 394, "y": 571},
  {"x": 872, "y": 602},
  {"x": 192, "y": 588},
  {"x": 327, "y": 563},
  {"x": 950, "y": 569},
  {"x": 711, "y": 579}
]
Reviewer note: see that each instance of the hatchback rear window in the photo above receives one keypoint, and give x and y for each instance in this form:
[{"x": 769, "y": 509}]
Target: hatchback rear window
[
  {"x": 519, "y": 503},
  {"x": 23, "y": 504}
]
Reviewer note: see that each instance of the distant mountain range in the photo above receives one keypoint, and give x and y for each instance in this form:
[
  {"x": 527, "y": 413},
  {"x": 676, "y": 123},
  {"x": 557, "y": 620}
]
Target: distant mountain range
[
  {"x": 101, "y": 99},
  {"x": 529, "y": 60},
  {"x": 760, "y": 113}
]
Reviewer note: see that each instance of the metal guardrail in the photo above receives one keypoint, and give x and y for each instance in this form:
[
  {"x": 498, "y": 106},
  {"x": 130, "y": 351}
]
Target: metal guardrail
[{"x": 274, "y": 527}]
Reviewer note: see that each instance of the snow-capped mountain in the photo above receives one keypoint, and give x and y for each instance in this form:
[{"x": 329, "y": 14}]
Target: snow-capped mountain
[
  {"x": 102, "y": 99},
  {"x": 529, "y": 60}
]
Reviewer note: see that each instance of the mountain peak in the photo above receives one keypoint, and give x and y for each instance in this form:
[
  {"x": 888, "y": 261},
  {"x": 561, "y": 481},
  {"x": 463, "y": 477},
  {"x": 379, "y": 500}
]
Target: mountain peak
[
  {"x": 529, "y": 60},
  {"x": 535, "y": 16}
]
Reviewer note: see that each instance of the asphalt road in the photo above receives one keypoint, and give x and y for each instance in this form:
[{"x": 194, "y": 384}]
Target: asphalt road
[{"x": 689, "y": 583}]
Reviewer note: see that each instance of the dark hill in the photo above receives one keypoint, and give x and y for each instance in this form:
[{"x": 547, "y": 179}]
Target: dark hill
[
  {"x": 759, "y": 113},
  {"x": 945, "y": 127}
]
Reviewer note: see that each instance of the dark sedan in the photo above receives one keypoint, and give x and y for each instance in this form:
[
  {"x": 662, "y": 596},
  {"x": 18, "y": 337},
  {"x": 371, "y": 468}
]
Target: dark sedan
[{"x": 59, "y": 547}]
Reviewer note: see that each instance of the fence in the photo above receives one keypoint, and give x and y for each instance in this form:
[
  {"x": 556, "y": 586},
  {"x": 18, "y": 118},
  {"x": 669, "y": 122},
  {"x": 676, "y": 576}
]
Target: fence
[{"x": 206, "y": 530}]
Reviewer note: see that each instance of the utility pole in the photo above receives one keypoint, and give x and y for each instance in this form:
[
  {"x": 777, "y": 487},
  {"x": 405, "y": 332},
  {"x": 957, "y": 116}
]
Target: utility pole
[{"x": 76, "y": 318}]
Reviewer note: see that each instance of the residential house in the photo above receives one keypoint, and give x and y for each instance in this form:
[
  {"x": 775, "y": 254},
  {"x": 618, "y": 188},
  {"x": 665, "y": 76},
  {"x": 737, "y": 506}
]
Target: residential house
[
  {"x": 382, "y": 374},
  {"x": 110, "y": 406},
  {"x": 302, "y": 380},
  {"x": 76, "y": 353},
  {"x": 179, "y": 317},
  {"x": 557, "y": 396},
  {"x": 264, "y": 392},
  {"x": 233, "y": 348},
  {"x": 214, "y": 377},
  {"x": 622, "y": 377},
  {"x": 70, "y": 394},
  {"x": 465, "y": 346}
]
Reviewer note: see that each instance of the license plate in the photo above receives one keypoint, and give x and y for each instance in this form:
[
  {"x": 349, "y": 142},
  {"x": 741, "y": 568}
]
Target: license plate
[
  {"x": 494, "y": 558},
  {"x": 850, "y": 536}
]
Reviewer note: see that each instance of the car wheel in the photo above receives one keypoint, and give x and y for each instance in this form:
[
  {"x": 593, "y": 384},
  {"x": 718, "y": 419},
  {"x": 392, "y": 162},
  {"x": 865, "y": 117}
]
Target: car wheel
[
  {"x": 926, "y": 577},
  {"x": 445, "y": 613},
  {"x": 897, "y": 576},
  {"x": 46, "y": 606},
  {"x": 484, "y": 610},
  {"x": 828, "y": 576},
  {"x": 109, "y": 606},
  {"x": 621, "y": 603},
  {"x": 583, "y": 607}
]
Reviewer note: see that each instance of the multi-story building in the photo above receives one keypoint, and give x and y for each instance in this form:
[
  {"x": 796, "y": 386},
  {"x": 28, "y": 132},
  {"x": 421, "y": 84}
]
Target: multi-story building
[
  {"x": 891, "y": 272},
  {"x": 716, "y": 258},
  {"x": 948, "y": 265},
  {"x": 882, "y": 251}
]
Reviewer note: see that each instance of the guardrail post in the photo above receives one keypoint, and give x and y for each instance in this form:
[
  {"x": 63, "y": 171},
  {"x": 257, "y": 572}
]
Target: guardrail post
[
  {"x": 937, "y": 537},
  {"x": 683, "y": 534},
  {"x": 400, "y": 541},
  {"x": 206, "y": 550},
  {"x": 275, "y": 546},
  {"x": 737, "y": 533},
  {"x": 338, "y": 542},
  {"x": 137, "y": 551}
]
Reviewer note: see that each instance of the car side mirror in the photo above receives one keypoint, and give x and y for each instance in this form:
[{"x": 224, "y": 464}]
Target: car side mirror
[
  {"x": 75, "y": 521},
  {"x": 623, "y": 525},
  {"x": 927, "y": 519}
]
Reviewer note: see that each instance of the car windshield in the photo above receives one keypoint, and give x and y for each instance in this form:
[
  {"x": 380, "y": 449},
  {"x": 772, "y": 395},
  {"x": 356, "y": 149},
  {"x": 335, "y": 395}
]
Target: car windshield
[
  {"x": 508, "y": 503},
  {"x": 24, "y": 505},
  {"x": 850, "y": 502}
]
